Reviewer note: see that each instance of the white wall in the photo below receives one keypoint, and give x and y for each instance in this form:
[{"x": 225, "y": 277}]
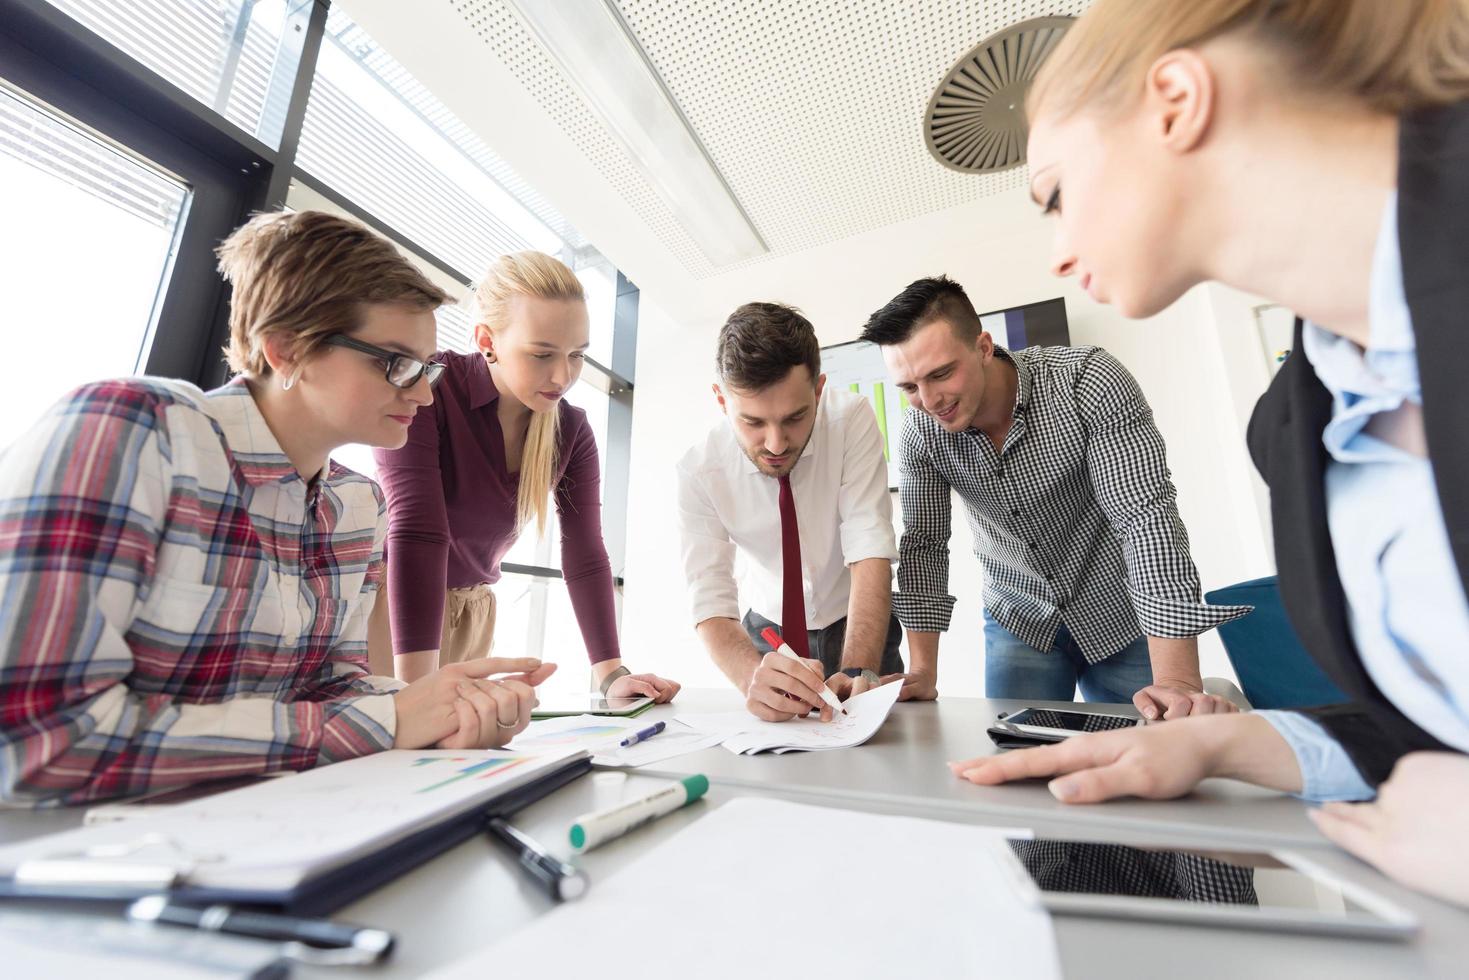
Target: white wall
[{"x": 1176, "y": 356}]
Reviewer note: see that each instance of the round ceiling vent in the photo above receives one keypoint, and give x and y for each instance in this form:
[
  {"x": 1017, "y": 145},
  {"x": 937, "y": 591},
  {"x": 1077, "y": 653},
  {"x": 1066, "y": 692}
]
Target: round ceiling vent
[{"x": 975, "y": 121}]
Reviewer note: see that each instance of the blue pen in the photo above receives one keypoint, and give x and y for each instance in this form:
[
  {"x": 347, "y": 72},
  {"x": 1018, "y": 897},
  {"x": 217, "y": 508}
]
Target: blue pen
[{"x": 646, "y": 733}]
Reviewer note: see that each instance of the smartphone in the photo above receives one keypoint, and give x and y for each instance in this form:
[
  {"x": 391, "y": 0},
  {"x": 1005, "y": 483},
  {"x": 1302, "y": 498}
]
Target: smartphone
[
  {"x": 1276, "y": 890},
  {"x": 1030, "y": 726}
]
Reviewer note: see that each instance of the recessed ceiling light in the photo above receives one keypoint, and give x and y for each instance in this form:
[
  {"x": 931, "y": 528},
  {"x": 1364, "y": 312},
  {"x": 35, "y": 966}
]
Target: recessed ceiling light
[{"x": 594, "y": 47}]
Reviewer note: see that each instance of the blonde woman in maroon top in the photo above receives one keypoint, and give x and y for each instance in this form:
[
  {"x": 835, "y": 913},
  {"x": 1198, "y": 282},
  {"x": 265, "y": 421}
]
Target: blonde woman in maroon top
[{"x": 482, "y": 463}]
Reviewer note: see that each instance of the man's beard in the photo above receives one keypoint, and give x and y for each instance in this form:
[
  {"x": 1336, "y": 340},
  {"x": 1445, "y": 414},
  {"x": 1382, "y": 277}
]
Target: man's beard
[{"x": 791, "y": 455}]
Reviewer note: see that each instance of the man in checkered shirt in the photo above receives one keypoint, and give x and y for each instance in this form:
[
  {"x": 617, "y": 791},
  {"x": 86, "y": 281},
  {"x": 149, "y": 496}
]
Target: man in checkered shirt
[{"x": 1053, "y": 450}]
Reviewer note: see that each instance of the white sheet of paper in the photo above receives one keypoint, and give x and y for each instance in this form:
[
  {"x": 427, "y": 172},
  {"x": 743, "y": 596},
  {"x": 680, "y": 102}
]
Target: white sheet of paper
[
  {"x": 750, "y": 890},
  {"x": 591, "y": 732},
  {"x": 744, "y": 733},
  {"x": 600, "y": 735},
  {"x": 675, "y": 740}
]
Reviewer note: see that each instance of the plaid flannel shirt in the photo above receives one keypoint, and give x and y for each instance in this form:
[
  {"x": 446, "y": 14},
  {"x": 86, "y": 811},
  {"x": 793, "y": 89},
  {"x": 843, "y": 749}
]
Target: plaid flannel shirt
[
  {"x": 1075, "y": 519},
  {"x": 176, "y": 603}
]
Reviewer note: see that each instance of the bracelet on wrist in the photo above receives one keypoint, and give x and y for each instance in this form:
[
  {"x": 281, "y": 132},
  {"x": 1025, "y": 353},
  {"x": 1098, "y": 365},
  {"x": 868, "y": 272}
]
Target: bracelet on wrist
[{"x": 610, "y": 679}]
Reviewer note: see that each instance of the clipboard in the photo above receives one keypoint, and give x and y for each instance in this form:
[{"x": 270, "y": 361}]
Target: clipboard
[{"x": 315, "y": 895}]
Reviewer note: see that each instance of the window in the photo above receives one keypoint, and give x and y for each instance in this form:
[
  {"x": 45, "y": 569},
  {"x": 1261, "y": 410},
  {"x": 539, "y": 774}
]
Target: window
[
  {"x": 235, "y": 56},
  {"x": 157, "y": 178},
  {"x": 371, "y": 134},
  {"x": 599, "y": 280},
  {"x": 60, "y": 179}
]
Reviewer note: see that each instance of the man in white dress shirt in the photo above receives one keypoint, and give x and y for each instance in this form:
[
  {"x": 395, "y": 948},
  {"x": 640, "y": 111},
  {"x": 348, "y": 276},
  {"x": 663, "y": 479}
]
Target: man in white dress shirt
[{"x": 792, "y": 479}]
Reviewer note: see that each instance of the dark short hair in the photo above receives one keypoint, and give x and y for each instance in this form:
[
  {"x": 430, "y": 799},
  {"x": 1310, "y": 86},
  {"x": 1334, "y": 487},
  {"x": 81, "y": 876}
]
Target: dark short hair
[
  {"x": 761, "y": 342},
  {"x": 926, "y": 300}
]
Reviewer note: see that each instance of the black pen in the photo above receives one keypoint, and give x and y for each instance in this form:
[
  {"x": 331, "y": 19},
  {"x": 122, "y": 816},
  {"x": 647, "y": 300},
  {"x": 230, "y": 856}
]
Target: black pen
[
  {"x": 373, "y": 944},
  {"x": 561, "y": 880}
]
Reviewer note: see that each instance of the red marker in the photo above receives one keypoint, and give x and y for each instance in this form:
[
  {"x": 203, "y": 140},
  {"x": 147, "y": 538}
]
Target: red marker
[{"x": 781, "y": 647}]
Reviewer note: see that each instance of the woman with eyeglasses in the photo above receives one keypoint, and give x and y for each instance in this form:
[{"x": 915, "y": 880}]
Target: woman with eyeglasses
[
  {"x": 482, "y": 465},
  {"x": 186, "y": 578},
  {"x": 1315, "y": 152}
]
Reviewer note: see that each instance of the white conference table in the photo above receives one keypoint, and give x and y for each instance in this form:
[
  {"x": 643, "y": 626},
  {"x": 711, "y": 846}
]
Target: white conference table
[
  {"x": 475, "y": 893},
  {"x": 905, "y": 762}
]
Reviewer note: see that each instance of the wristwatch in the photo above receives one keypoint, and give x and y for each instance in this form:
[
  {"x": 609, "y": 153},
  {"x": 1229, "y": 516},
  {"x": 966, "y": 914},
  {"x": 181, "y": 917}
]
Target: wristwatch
[
  {"x": 866, "y": 673},
  {"x": 607, "y": 681}
]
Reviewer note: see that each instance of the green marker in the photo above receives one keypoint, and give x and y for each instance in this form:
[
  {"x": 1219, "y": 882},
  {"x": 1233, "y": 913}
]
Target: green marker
[{"x": 592, "y": 829}]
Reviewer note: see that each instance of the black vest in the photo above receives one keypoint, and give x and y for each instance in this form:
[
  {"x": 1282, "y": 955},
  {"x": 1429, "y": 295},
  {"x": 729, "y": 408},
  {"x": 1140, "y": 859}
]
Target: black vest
[{"x": 1285, "y": 436}]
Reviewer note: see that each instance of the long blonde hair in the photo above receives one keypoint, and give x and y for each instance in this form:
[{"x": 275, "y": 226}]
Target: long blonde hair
[
  {"x": 1392, "y": 55},
  {"x": 541, "y": 276}
]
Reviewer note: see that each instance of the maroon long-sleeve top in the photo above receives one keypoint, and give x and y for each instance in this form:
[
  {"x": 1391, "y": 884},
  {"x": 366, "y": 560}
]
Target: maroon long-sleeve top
[{"x": 451, "y": 510}]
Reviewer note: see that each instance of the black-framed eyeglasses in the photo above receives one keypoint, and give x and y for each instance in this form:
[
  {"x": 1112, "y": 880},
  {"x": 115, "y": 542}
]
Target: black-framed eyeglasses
[{"x": 403, "y": 371}]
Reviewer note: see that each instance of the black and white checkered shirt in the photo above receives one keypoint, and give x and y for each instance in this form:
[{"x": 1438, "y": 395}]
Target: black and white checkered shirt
[{"x": 1074, "y": 520}]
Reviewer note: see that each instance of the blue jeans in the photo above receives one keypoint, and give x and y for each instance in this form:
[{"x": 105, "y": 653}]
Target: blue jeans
[{"x": 1015, "y": 669}]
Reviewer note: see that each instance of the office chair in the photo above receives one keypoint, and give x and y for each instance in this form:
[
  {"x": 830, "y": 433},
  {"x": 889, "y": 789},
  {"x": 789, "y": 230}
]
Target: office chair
[{"x": 1273, "y": 668}]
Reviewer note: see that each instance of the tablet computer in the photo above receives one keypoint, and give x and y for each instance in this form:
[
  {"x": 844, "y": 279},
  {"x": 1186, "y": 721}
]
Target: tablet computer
[
  {"x": 591, "y": 703},
  {"x": 1278, "y": 891}
]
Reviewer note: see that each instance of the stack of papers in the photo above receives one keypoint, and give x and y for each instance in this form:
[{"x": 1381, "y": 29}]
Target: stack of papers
[
  {"x": 744, "y": 734},
  {"x": 600, "y": 736},
  {"x": 950, "y": 906}
]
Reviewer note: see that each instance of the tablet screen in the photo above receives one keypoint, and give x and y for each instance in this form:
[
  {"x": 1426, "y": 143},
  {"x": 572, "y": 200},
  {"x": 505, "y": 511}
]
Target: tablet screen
[
  {"x": 1239, "y": 878},
  {"x": 588, "y": 703}
]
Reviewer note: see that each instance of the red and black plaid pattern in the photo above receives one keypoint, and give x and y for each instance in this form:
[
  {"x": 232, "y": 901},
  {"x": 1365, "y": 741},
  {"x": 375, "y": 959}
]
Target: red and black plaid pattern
[{"x": 176, "y": 602}]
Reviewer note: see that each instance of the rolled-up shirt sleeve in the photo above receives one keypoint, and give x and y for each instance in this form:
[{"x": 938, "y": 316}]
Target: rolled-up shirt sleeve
[
  {"x": 1327, "y": 772},
  {"x": 922, "y": 601},
  {"x": 865, "y": 512},
  {"x": 1128, "y": 465},
  {"x": 708, "y": 552}
]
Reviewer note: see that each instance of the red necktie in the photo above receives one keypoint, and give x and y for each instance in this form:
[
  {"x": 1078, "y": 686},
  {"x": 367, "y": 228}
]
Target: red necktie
[{"x": 793, "y": 597}]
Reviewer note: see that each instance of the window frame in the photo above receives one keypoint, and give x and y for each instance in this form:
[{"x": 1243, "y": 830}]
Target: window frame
[{"x": 51, "y": 58}]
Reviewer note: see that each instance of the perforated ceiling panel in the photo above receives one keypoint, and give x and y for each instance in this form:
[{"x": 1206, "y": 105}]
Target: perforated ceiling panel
[{"x": 811, "y": 109}]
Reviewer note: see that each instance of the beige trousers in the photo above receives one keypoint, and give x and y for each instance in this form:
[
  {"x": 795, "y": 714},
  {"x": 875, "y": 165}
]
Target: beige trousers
[
  {"x": 468, "y": 632},
  {"x": 469, "y": 624}
]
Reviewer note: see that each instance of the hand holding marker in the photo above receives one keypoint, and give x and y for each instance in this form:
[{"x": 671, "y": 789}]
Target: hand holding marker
[
  {"x": 781, "y": 647},
  {"x": 592, "y": 829}
]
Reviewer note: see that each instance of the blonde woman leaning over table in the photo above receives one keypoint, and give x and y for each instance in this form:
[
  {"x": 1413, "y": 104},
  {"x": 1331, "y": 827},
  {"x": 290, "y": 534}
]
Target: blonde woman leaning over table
[
  {"x": 1315, "y": 152},
  {"x": 483, "y": 464}
]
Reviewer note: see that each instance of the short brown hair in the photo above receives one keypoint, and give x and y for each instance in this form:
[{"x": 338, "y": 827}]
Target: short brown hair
[
  {"x": 305, "y": 275},
  {"x": 761, "y": 342},
  {"x": 924, "y": 301}
]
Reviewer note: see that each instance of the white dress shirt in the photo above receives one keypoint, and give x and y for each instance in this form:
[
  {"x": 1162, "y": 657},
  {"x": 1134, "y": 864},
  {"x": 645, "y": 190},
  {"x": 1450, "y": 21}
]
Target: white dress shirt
[{"x": 726, "y": 505}]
